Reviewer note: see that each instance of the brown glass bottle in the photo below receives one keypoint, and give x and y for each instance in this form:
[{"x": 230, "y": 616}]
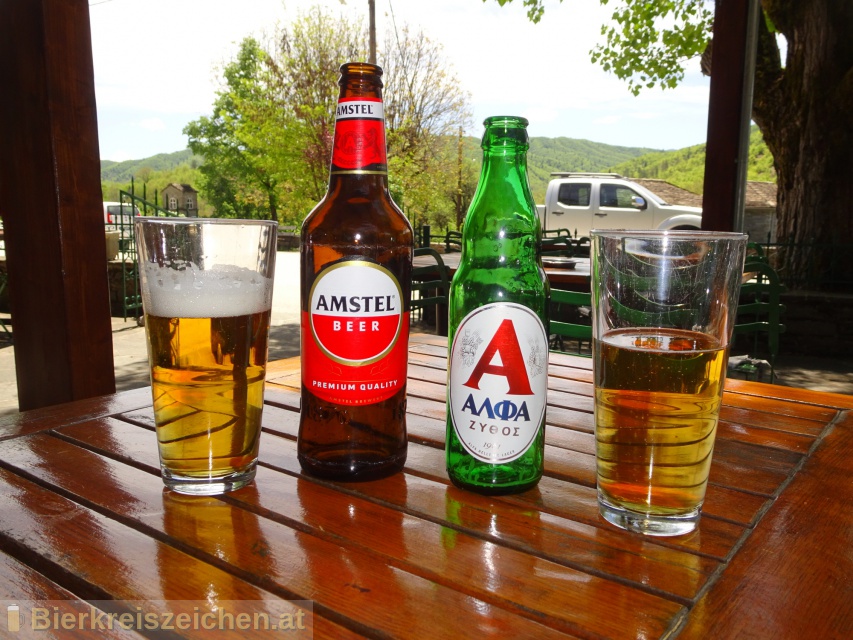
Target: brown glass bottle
[{"x": 356, "y": 261}]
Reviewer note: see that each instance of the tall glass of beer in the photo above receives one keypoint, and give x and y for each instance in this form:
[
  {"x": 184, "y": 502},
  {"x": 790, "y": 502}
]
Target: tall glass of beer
[
  {"x": 664, "y": 304},
  {"x": 207, "y": 289}
]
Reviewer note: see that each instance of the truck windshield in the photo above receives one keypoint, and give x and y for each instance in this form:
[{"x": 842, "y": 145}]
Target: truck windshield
[{"x": 127, "y": 210}]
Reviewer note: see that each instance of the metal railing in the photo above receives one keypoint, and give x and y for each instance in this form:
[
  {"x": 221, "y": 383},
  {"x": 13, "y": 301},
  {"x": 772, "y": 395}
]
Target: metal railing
[{"x": 130, "y": 206}]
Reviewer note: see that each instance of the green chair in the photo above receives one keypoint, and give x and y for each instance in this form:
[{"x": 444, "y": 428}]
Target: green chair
[
  {"x": 430, "y": 288},
  {"x": 568, "y": 311},
  {"x": 583, "y": 246},
  {"x": 755, "y": 253},
  {"x": 579, "y": 247},
  {"x": 759, "y": 315},
  {"x": 557, "y": 246}
]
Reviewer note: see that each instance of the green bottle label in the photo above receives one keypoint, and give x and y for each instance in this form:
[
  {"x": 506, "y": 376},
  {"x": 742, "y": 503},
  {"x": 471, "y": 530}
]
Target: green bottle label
[{"x": 498, "y": 381}]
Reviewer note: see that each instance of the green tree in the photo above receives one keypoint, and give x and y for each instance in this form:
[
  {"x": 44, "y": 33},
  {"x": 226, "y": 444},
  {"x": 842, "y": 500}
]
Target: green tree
[
  {"x": 247, "y": 142},
  {"x": 144, "y": 174},
  {"x": 425, "y": 107},
  {"x": 305, "y": 64},
  {"x": 802, "y": 107},
  {"x": 267, "y": 146}
]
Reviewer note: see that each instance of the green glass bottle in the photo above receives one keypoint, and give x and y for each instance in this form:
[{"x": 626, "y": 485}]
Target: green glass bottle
[{"x": 498, "y": 327}]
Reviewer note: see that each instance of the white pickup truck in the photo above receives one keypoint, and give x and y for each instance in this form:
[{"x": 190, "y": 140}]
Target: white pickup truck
[{"x": 579, "y": 202}]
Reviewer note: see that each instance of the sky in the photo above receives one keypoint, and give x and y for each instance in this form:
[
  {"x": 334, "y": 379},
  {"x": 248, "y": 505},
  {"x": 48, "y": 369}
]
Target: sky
[{"x": 156, "y": 68}]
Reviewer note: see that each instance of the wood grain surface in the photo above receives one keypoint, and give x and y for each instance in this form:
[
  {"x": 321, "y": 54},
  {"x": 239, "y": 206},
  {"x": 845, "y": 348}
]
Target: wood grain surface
[{"x": 87, "y": 519}]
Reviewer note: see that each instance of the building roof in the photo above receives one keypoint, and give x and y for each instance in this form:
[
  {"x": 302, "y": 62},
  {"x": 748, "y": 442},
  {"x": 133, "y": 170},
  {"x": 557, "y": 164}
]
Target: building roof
[
  {"x": 759, "y": 195},
  {"x": 182, "y": 187},
  {"x": 669, "y": 192}
]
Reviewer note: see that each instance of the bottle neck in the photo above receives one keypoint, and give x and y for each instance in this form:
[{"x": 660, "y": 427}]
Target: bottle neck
[
  {"x": 504, "y": 163},
  {"x": 359, "y": 153},
  {"x": 501, "y": 228}
]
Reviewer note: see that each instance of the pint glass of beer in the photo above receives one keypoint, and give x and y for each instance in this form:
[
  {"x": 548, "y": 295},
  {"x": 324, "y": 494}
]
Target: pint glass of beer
[
  {"x": 207, "y": 294},
  {"x": 664, "y": 304}
]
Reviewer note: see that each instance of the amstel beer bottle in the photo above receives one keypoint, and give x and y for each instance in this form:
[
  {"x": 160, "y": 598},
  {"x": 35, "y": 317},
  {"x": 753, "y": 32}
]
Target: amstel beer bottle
[
  {"x": 498, "y": 327},
  {"x": 356, "y": 261}
]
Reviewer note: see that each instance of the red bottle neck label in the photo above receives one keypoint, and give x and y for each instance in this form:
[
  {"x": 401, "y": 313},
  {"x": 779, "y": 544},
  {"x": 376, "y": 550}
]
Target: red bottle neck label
[
  {"x": 359, "y": 137},
  {"x": 355, "y": 334}
]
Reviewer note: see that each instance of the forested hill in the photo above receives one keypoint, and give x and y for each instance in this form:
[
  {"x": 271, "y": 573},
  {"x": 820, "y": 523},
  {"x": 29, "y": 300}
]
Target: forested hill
[
  {"x": 562, "y": 154},
  {"x": 684, "y": 167},
  {"x": 545, "y": 155},
  {"x": 567, "y": 154},
  {"x": 112, "y": 171}
]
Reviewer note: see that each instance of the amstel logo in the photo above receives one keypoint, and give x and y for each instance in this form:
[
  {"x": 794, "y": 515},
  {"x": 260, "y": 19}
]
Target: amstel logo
[{"x": 356, "y": 312}]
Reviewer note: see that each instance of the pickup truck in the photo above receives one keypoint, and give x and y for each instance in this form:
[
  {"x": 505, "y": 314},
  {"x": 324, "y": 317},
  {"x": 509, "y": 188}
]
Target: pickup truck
[
  {"x": 118, "y": 215},
  {"x": 583, "y": 201}
]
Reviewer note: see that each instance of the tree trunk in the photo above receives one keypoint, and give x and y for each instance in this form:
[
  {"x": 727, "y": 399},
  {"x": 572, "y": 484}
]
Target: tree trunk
[
  {"x": 804, "y": 112},
  {"x": 272, "y": 202}
]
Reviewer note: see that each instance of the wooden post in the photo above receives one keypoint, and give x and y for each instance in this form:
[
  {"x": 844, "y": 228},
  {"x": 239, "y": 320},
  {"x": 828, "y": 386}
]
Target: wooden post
[
  {"x": 50, "y": 200},
  {"x": 371, "y": 8},
  {"x": 729, "y": 111}
]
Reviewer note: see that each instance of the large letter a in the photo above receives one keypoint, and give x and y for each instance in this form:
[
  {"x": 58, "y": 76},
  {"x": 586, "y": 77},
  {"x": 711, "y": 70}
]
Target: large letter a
[{"x": 512, "y": 365}]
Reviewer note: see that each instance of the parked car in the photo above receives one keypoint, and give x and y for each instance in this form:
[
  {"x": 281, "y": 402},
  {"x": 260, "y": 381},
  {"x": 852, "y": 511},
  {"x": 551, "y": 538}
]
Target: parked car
[
  {"x": 579, "y": 202},
  {"x": 118, "y": 215}
]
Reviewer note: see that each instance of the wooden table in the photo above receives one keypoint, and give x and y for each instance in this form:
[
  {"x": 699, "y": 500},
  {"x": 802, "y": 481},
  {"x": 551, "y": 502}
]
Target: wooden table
[
  {"x": 577, "y": 278},
  {"x": 85, "y": 518}
]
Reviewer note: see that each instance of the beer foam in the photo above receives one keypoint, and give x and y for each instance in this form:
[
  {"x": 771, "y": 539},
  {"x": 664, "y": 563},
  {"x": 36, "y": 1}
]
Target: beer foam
[{"x": 221, "y": 292}]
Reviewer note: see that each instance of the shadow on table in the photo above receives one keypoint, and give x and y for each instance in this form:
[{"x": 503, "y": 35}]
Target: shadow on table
[{"x": 284, "y": 341}]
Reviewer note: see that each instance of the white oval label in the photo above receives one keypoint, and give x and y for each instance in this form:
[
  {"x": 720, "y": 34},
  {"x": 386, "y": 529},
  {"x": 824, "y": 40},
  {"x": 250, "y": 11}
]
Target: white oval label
[
  {"x": 356, "y": 312},
  {"x": 498, "y": 381}
]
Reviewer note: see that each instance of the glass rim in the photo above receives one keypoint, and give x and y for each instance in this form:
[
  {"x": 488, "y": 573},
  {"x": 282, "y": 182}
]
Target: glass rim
[
  {"x": 682, "y": 234},
  {"x": 213, "y": 221}
]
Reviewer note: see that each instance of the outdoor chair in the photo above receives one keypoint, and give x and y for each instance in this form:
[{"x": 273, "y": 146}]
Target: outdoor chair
[
  {"x": 755, "y": 253},
  {"x": 570, "y": 319},
  {"x": 557, "y": 246},
  {"x": 759, "y": 315},
  {"x": 430, "y": 288},
  {"x": 582, "y": 247}
]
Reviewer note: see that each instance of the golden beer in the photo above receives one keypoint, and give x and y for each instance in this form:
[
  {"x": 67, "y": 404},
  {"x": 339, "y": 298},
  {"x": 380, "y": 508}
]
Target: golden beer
[
  {"x": 207, "y": 287},
  {"x": 207, "y": 376},
  {"x": 657, "y": 400}
]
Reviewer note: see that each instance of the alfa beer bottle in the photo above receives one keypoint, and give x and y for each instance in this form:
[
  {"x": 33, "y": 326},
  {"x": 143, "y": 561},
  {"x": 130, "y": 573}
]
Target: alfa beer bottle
[
  {"x": 356, "y": 261},
  {"x": 498, "y": 327}
]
